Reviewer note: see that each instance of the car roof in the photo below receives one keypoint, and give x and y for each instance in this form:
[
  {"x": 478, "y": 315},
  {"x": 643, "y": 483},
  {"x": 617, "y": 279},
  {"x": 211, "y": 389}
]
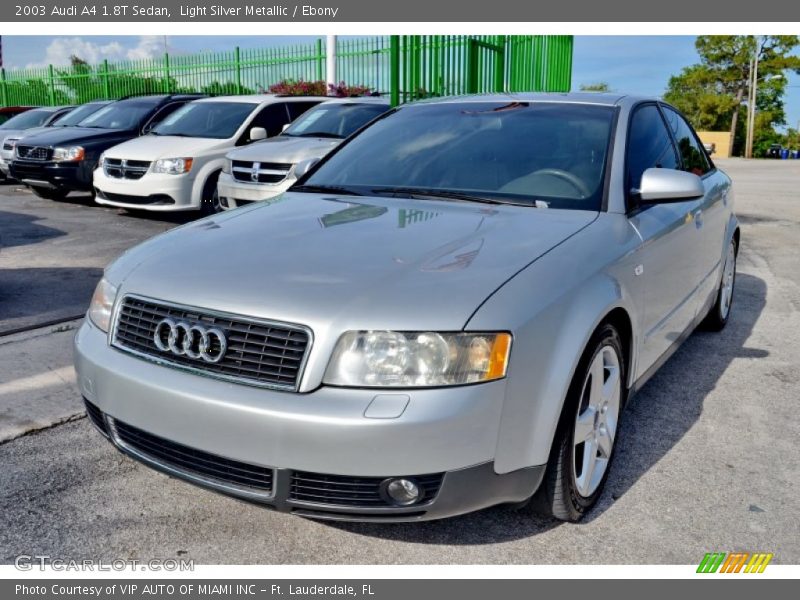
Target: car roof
[
  {"x": 258, "y": 98},
  {"x": 602, "y": 98},
  {"x": 358, "y": 100}
]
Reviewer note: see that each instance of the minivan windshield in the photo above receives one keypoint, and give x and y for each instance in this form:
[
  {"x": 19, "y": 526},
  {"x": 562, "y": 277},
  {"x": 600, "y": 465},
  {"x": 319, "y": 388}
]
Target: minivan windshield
[
  {"x": 335, "y": 119},
  {"x": 218, "y": 120},
  {"x": 28, "y": 119},
  {"x": 76, "y": 115},
  {"x": 119, "y": 115},
  {"x": 544, "y": 154}
]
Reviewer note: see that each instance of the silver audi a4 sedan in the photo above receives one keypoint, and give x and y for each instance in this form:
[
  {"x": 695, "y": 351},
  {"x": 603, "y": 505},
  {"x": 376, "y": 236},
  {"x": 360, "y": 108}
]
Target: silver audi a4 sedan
[{"x": 448, "y": 312}]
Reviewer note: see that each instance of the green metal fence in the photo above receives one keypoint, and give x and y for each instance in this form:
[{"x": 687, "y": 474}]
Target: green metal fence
[{"x": 403, "y": 67}]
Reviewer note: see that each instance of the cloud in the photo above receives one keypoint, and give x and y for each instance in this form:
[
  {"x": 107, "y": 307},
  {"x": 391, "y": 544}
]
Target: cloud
[{"x": 59, "y": 51}]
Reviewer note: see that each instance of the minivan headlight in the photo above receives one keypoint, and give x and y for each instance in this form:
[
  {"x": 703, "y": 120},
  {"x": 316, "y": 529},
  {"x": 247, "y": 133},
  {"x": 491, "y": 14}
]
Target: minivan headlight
[
  {"x": 417, "y": 359},
  {"x": 173, "y": 166},
  {"x": 68, "y": 153},
  {"x": 226, "y": 166},
  {"x": 101, "y": 305}
]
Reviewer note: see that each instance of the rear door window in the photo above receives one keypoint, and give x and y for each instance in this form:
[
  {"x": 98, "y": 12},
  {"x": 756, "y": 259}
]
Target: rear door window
[{"x": 693, "y": 155}]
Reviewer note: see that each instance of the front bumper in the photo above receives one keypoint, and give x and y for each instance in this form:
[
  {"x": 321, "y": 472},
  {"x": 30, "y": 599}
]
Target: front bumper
[
  {"x": 157, "y": 192},
  {"x": 450, "y": 432},
  {"x": 233, "y": 194},
  {"x": 50, "y": 175}
]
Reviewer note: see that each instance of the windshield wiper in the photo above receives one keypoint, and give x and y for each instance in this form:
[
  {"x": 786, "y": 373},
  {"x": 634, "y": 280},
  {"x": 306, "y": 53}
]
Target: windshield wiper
[
  {"x": 325, "y": 189},
  {"x": 412, "y": 192},
  {"x": 321, "y": 134}
]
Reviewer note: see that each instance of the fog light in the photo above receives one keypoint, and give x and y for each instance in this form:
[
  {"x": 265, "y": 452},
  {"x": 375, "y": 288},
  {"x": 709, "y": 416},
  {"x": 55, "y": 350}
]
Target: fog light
[{"x": 402, "y": 491}]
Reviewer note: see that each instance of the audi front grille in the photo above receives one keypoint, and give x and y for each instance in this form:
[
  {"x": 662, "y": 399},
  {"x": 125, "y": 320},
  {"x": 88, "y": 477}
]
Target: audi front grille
[
  {"x": 257, "y": 352},
  {"x": 125, "y": 169},
  {"x": 259, "y": 172},
  {"x": 34, "y": 152}
]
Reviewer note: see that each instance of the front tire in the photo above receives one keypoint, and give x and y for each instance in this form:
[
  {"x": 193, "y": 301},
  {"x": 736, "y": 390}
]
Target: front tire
[
  {"x": 49, "y": 194},
  {"x": 583, "y": 447},
  {"x": 210, "y": 203},
  {"x": 719, "y": 314}
]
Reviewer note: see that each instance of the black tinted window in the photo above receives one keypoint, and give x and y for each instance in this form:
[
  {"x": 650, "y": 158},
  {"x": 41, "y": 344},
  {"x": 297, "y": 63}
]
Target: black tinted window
[
  {"x": 553, "y": 153},
  {"x": 649, "y": 145},
  {"x": 119, "y": 115},
  {"x": 272, "y": 118},
  {"x": 335, "y": 119},
  {"x": 692, "y": 154},
  {"x": 76, "y": 115},
  {"x": 298, "y": 108}
]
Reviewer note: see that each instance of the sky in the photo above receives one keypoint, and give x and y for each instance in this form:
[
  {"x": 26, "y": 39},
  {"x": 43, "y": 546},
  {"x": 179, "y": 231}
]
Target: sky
[{"x": 633, "y": 64}]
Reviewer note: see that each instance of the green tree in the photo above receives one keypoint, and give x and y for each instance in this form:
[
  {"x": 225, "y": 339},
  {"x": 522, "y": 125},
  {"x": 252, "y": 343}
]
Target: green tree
[
  {"x": 713, "y": 92},
  {"x": 600, "y": 86}
]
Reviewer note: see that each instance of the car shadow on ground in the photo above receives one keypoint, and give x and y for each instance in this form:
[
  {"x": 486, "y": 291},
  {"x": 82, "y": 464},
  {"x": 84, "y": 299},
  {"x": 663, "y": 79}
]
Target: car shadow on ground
[
  {"x": 19, "y": 229},
  {"x": 656, "y": 420},
  {"x": 34, "y": 296}
]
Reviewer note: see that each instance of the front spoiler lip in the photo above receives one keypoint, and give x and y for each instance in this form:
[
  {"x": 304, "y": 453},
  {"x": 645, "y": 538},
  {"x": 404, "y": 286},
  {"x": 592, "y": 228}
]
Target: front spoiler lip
[{"x": 462, "y": 491}]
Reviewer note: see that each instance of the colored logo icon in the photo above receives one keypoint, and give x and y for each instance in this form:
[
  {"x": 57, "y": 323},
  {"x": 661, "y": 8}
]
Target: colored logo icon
[{"x": 734, "y": 562}]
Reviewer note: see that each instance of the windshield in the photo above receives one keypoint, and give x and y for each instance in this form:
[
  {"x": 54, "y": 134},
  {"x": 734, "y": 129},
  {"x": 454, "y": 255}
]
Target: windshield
[
  {"x": 28, "y": 119},
  {"x": 337, "y": 120},
  {"x": 119, "y": 115},
  {"x": 537, "y": 154},
  {"x": 218, "y": 120},
  {"x": 76, "y": 115}
]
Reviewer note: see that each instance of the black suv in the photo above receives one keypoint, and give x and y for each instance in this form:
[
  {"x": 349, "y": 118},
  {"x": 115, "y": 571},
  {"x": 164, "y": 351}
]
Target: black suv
[{"x": 54, "y": 163}]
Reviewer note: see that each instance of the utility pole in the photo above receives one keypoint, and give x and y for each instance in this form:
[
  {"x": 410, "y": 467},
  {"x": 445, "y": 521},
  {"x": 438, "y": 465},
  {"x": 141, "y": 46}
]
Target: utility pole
[
  {"x": 330, "y": 61},
  {"x": 751, "y": 102}
]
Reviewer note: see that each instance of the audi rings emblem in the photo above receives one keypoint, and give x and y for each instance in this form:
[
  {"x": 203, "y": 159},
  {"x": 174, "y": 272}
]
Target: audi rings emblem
[{"x": 192, "y": 341}]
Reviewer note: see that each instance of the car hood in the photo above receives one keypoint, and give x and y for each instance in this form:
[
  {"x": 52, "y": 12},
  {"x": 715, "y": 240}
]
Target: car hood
[
  {"x": 152, "y": 147},
  {"x": 18, "y": 133},
  {"x": 285, "y": 149},
  {"x": 55, "y": 136},
  {"x": 327, "y": 261}
]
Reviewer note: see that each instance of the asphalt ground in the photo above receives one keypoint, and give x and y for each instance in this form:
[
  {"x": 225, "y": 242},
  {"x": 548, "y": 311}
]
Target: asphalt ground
[{"x": 708, "y": 458}]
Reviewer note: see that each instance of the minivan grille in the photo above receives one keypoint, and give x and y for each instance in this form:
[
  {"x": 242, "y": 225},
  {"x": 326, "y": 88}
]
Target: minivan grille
[
  {"x": 259, "y": 172},
  {"x": 34, "y": 152},
  {"x": 217, "y": 469},
  {"x": 258, "y": 352},
  {"x": 344, "y": 490},
  {"x": 119, "y": 168}
]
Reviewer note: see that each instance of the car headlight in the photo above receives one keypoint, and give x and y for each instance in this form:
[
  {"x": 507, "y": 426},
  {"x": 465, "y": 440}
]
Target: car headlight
[
  {"x": 68, "y": 153},
  {"x": 101, "y": 161},
  {"x": 227, "y": 165},
  {"x": 102, "y": 303},
  {"x": 11, "y": 142},
  {"x": 173, "y": 166},
  {"x": 418, "y": 359}
]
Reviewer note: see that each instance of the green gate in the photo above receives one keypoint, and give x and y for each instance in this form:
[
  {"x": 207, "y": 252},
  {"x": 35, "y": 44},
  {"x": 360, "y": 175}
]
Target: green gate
[{"x": 405, "y": 68}]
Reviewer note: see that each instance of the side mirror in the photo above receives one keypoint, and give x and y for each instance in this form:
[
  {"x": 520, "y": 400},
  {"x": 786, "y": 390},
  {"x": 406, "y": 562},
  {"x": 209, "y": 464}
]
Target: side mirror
[
  {"x": 304, "y": 166},
  {"x": 258, "y": 133},
  {"x": 285, "y": 127},
  {"x": 669, "y": 185}
]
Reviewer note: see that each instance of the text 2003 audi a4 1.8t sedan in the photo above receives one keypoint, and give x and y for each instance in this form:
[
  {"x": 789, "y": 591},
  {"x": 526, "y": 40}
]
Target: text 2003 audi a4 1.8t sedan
[{"x": 447, "y": 312}]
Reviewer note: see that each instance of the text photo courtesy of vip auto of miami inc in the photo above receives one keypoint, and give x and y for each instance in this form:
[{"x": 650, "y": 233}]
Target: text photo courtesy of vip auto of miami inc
[{"x": 518, "y": 301}]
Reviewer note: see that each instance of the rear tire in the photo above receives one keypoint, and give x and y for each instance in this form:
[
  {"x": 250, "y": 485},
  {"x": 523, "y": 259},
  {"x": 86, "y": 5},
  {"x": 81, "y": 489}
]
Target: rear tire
[
  {"x": 583, "y": 447},
  {"x": 718, "y": 316},
  {"x": 210, "y": 203},
  {"x": 49, "y": 194}
]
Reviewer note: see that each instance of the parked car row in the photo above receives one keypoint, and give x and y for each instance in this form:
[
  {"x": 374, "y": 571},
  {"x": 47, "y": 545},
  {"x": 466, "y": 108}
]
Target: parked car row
[{"x": 178, "y": 152}]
